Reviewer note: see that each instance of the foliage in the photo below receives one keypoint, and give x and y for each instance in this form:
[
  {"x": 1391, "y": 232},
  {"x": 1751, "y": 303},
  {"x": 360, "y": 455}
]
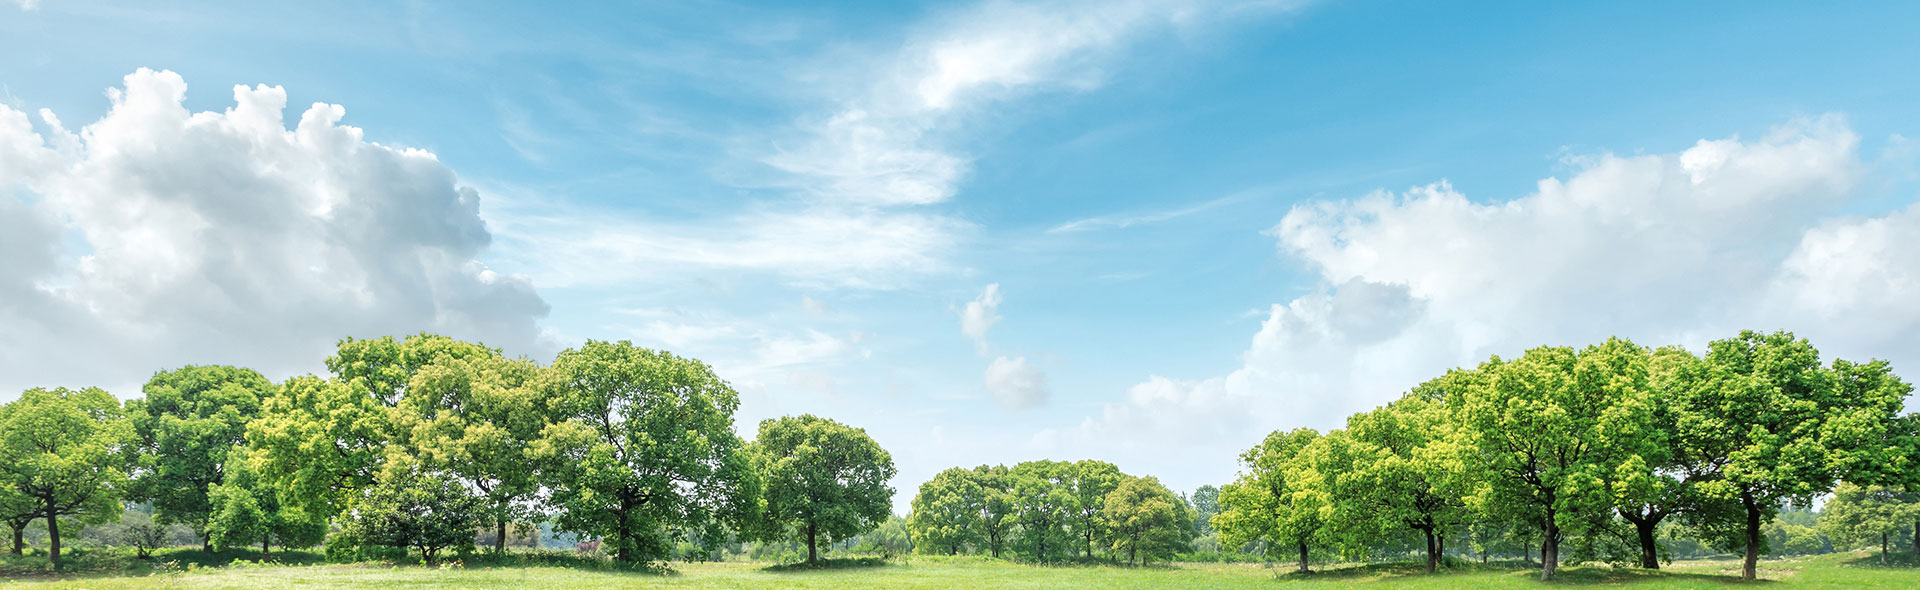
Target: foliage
[
  {"x": 248, "y": 511},
  {"x": 470, "y": 414},
  {"x": 68, "y": 451},
  {"x": 1205, "y": 502},
  {"x": 642, "y": 449},
  {"x": 410, "y": 506},
  {"x": 948, "y": 511},
  {"x": 189, "y": 421},
  {"x": 822, "y": 478},
  {"x": 1146, "y": 519},
  {"x": 1279, "y": 498},
  {"x": 1868, "y": 515},
  {"x": 1044, "y": 506}
]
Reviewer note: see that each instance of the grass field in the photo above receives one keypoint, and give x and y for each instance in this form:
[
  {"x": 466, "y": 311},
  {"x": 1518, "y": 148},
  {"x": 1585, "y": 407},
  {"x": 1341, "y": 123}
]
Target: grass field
[{"x": 1845, "y": 570}]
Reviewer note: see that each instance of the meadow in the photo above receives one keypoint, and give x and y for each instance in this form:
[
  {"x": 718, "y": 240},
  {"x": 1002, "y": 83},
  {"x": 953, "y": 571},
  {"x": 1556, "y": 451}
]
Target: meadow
[{"x": 1840, "y": 570}]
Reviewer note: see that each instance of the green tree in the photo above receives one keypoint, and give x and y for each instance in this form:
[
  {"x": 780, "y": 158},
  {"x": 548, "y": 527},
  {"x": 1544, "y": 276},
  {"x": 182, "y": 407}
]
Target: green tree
[
  {"x": 409, "y": 506},
  {"x": 643, "y": 449},
  {"x": 1661, "y": 479},
  {"x": 1092, "y": 482},
  {"x": 1408, "y": 470},
  {"x": 823, "y": 479},
  {"x": 1864, "y": 514},
  {"x": 1278, "y": 497},
  {"x": 473, "y": 417},
  {"x": 246, "y": 510},
  {"x": 1758, "y": 414},
  {"x": 1044, "y": 506},
  {"x": 319, "y": 442},
  {"x": 189, "y": 421},
  {"x": 998, "y": 510},
  {"x": 1549, "y": 427},
  {"x": 1206, "y": 502},
  {"x": 947, "y": 512},
  {"x": 18, "y": 511},
  {"x": 68, "y": 452},
  {"x": 1146, "y": 519}
]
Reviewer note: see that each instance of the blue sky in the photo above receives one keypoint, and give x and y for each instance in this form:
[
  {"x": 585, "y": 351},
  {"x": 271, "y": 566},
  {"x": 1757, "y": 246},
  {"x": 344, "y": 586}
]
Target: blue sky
[{"x": 1145, "y": 231}]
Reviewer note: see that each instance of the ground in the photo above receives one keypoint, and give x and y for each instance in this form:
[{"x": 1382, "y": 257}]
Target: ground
[{"x": 1846, "y": 570}]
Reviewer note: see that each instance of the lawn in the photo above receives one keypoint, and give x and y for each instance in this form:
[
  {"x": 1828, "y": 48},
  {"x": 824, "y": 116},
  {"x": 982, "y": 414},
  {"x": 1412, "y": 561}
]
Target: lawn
[{"x": 1845, "y": 570}]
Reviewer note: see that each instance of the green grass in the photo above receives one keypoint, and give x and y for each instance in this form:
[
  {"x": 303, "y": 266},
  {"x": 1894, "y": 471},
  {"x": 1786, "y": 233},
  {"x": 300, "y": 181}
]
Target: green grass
[{"x": 1845, "y": 570}]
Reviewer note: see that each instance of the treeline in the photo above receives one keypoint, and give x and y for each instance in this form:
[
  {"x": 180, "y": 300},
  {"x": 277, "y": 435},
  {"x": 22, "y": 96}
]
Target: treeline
[
  {"x": 1050, "y": 511},
  {"x": 1597, "y": 449},
  {"x": 418, "y": 443}
]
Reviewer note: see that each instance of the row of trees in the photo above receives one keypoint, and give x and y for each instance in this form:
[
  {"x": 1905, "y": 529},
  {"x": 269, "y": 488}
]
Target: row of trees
[
  {"x": 1593, "y": 448},
  {"x": 1048, "y": 511},
  {"x": 418, "y": 442}
]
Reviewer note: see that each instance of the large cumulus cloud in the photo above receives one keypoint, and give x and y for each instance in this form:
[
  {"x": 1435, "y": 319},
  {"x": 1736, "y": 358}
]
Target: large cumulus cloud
[{"x": 156, "y": 236}]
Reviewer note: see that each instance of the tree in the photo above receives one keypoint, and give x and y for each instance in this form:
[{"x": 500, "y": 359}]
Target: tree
[
  {"x": 1859, "y": 514},
  {"x": 1549, "y": 427},
  {"x": 1758, "y": 415},
  {"x": 190, "y": 419},
  {"x": 409, "y": 506},
  {"x": 142, "y": 533},
  {"x": 642, "y": 448},
  {"x": 246, "y": 510},
  {"x": 1660, "y": 479},
  {"x": 822, "y": 478},
  {"x": 947, "y": 512},
  {"x": 18, "y": 511},
  {"x": 1147, "y": 520},
  {"x": 1278, "y": 498},
  {"x": 67, "y": 451},
  {"x": 1092, "y": 481},
  {"x": 472, "y": 417},
  {"x": 319, "y": 442},
  {"x": 997, "y": 508},
  {"x": 1043, "y": 505},
  {"x": 1408, "y": 471},
  {"x": 1206, "y": 502}
]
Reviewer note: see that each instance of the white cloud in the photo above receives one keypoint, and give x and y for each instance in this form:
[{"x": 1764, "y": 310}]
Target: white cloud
[
  {"x": 980, "y": 315},
  {"x": 1017, "y": 384},
  {"x": 156, "y": 237},
  {"x": 1675, "y": 248},
  {"x": 27, "y": 4}
]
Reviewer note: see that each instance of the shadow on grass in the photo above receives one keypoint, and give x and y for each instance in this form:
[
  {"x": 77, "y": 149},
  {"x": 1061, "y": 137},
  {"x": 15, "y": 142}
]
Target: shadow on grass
[
  {"x": 1566, "y": 576},
  {"x": 118, "y": 561},
  {"x": 1895, "y": 560},
  {"x": 829, "y": 564}
]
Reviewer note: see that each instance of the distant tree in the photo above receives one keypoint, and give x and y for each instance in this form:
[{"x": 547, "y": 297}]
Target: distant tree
[
  {"x": 1146, "y": 520},
  {"x": 998, "y": 510},
  {"x": 642, "y": 449},
  {"x": 823, "y": 478},
  {"x": 1092, "y": 482},
  {"x": 947, "y": 512},
  {"x": 409, "y": 506},
  {"x": 1550, "y": 426},
  {"x": 1863, "y": 514},
  {"x": 142, "y": 533},
  {"x": 1044, "y": 506},
  {"x": 1278, "y": 497},
  {"x": 68, "y": 451},
  {"x": 1206, "y": 502},
  {"x": 189, "y": 420},
  {"x": 247, "y": 510}
]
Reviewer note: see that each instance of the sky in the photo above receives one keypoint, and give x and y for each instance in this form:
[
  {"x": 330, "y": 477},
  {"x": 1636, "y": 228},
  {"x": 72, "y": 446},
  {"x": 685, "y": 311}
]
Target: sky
[{"x": 1143, "y": 231}]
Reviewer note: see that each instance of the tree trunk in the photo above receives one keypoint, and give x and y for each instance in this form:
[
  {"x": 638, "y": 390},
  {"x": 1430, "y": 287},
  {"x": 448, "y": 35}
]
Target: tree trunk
[
  {"x": 1916, "y": 541},
  {"x": 1649, "y": 549},
  {"x": 1303, "y": 558},
  {"x": 1526, "y": 552},
  {"x": 206, "y": 541},
  {"x": 1883, "y": 548},
  {"x": 1749, "y": 568},
  {"x": 500, "y": 541},
  {"x": 1550, "y": 549},
  {"x": 53, "y": 539},
  {"x": 1430, "y": 548},
  {"x": 1132, "y": 549},
  {"x": 266, "y": 548},
  {"x": 624, "y": 553},
  {"x": 813, "y": 530},
  {"x": 20, "y": 542}
]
